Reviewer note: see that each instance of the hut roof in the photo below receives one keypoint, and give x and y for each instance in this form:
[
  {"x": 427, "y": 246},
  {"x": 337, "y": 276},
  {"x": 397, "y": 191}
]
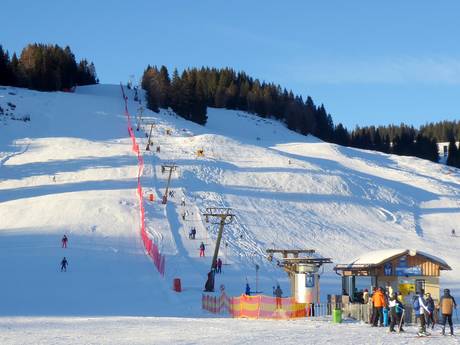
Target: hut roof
[{"x": 378, "y": 257}]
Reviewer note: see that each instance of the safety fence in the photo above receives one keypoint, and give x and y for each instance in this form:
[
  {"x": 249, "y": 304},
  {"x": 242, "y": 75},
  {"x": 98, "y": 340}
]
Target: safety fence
[
  {"x": 150, "y": 246},
  {"x": 217, "y": 304},
  {"x": 263, "y": 307},
  {"x": 363, "y": 312}
]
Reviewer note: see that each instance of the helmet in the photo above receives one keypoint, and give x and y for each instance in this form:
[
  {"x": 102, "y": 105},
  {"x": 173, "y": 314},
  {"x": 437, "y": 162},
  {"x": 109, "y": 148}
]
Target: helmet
[{"x": 446, "y": 291}]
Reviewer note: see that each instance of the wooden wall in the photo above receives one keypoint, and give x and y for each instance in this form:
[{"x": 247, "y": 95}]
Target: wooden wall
[{"x": 429, "y": 268}]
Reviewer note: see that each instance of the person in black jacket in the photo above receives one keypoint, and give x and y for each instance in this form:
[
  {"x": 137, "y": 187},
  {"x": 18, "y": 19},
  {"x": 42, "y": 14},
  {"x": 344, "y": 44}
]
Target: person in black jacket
[
  {"x": 430, "y": 305},
  {"x": 64, "y": 264}
]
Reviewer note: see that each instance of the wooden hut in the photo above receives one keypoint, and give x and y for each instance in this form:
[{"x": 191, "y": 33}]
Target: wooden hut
[{"x": 404, "y": 270}]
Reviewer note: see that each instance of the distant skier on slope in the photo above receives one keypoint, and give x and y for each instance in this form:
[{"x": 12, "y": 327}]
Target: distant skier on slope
[
  {"x": 219, "y": 266},
  {"x": 64, "y": 241},
  {"x": 202, "y": 248},
  {"x": 182, "y": 202},
  {"x": 453, "y": 233},
  {"x": 64, "y": 264}
]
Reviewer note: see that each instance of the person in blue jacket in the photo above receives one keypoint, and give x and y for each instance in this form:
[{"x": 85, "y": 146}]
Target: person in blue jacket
[
  {"x": 420, "y": 308},
  {"x": 248, "y": 290}
]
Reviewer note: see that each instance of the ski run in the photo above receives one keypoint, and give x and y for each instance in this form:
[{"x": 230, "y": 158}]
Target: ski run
[{"x": 71, "y": 170}]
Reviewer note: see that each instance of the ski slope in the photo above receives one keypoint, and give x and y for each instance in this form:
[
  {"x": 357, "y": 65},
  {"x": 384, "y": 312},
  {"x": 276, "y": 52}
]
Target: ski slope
[{"x": 70, "y": 169}]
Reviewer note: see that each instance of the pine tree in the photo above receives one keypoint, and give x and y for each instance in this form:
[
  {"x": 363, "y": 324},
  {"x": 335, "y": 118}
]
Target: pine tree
[
  {"x": 5, "y": 78},
  {"x": 453, "y": 157}
]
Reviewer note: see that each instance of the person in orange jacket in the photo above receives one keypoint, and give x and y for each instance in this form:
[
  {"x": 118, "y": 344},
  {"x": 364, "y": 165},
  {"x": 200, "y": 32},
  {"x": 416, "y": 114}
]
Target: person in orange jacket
[{"x": 378, "y": 301}]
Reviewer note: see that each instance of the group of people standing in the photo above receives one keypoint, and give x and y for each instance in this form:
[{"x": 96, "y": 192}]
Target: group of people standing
[
  {"x": 423, "y": 305},
  {"x": 425, "y": 311}
]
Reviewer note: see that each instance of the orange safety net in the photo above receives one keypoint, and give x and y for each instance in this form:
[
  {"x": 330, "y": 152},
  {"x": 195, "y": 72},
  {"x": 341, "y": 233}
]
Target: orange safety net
[
  {"x": 149, "y": 245},
  {"x": 255, "y": 307},
  {"x": 267, "y": 307}
]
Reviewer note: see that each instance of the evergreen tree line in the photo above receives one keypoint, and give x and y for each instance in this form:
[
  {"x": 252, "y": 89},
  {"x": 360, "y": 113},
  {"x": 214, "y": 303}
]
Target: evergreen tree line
[
  {"x": 442, "y": 131},
  {"x": 45, "y": 67},
  {"x": 191, "y": 92},
  {"x": 401, "y": 140}
]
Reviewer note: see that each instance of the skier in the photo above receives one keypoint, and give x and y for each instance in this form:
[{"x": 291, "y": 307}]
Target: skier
[
  {"x": 393, "y": 303},
  {"x": 54, "y": 178},
  {"x": 372, "y": 316},
  {"x": 193, "y": 233},
  {"x": 219, "y": 265},
  {"x": 183, "y": 215},
  {"x": 447, "y": 305},
  {"x": 453, "y": 232},
  {"x": 247, "y": 291},
  {"x": 278, "y": 294},
  {"x": 420, "y": 308},
  {"x": 190, "y": 234},
  {"x": 64, "y": 264},
  {"x": 400, "y": 312},
  {"x": 378, "y": 300},
  {"x": 182, "y": 201},
  {"x": 365, "y": 296},
  {"x": 64, "y": 241},
  {"x": 158, "y": 149},
  {"x": 202, "y": 248},
  {"x": 430, "y": 305}
]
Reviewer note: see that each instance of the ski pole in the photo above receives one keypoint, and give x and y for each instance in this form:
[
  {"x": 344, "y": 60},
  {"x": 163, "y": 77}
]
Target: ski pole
[{"x": 401, "y": 320}]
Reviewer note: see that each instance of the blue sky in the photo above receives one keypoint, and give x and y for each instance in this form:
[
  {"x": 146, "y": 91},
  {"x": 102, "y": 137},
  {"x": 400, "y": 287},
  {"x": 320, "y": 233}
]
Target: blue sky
[{"x": 368, "y": 62}]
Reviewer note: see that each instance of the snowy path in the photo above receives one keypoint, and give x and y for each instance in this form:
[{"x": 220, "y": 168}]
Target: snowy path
[{"x": 146, "y": 331}]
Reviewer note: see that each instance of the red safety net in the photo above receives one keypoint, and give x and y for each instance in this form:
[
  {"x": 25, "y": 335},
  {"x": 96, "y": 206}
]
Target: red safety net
[{"x": 150, "y": 246}]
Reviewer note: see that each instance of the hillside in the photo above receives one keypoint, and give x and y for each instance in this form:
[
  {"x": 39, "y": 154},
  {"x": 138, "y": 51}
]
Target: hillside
[{"x": 287, "y": 190}]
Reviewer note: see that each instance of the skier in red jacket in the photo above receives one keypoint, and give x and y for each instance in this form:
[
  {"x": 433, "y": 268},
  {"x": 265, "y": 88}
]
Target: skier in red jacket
[{"x": 64, "y": 241}]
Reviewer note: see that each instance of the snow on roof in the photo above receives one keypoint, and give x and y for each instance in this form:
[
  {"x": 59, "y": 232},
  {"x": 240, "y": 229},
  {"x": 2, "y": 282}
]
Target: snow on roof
[{"x": 377, "y": 257}]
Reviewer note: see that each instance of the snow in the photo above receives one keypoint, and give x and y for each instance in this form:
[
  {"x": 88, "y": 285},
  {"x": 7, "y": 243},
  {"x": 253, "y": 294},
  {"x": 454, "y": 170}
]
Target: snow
[
  {"x": 152, "y": 330},
  {"x": 71, "y": 170}
]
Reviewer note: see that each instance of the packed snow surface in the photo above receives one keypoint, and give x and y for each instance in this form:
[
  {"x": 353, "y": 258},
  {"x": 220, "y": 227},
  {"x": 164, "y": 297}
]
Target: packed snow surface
[
  {"x": 200, "y": 331},
  {"x": 70, "y": 170}
]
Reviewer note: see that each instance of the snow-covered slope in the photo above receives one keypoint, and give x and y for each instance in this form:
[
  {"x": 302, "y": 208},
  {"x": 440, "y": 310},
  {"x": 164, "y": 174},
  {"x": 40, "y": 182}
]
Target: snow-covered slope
[{"x": 286, "y": 190}]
